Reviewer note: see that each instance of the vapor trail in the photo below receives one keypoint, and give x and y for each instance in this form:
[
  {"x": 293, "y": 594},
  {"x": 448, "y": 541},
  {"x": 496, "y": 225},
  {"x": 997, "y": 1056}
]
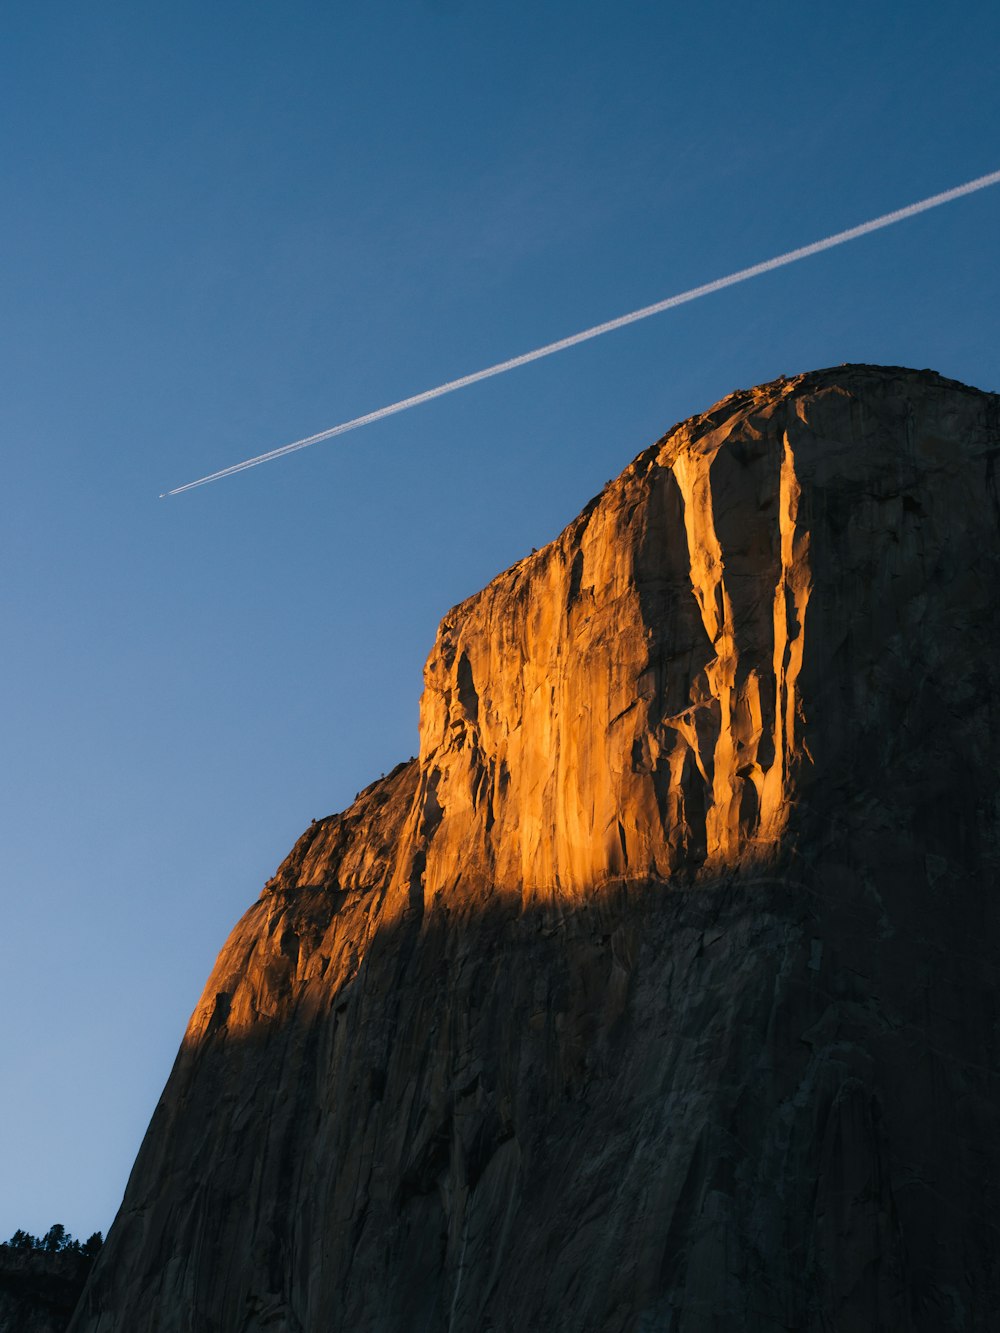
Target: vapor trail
[{"x": 790, "y": 257}]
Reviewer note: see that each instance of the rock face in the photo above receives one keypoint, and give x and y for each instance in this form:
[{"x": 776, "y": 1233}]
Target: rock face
[{"x": 660, "y": 991}]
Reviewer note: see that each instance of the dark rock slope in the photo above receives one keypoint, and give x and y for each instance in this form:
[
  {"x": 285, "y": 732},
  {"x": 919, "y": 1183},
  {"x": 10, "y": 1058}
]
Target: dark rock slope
[{"x": 660, "y": 991}]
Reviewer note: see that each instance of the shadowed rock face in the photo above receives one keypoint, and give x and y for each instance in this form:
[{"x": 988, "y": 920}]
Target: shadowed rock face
[{"x": 660, "y": 991}]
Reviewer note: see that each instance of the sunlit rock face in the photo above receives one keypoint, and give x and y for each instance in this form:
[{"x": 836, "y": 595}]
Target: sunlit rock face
[
  {"x": 660, "y": 991},
  {"x": 624, "y": 704}
]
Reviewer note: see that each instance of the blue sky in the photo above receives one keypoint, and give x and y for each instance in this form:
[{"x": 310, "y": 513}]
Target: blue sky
[{"x": 225, "y": 227}]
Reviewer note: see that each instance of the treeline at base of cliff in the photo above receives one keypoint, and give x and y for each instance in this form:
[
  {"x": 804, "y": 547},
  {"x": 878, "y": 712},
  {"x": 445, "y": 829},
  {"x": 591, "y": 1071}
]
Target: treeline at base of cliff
[{"x": 41, "y": 1278}]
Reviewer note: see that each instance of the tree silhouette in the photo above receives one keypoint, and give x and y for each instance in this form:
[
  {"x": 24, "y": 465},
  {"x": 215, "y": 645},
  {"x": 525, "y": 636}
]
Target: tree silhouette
[
  {"x": 54, "y": 1239},
  {"x": 57, "y": 1240}
]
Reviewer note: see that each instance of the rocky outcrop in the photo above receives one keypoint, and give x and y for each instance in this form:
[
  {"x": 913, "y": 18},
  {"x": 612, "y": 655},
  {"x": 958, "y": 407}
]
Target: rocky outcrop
[
  {"x": 660, "y": 990},
  {"x": 39, "y": 1290}
]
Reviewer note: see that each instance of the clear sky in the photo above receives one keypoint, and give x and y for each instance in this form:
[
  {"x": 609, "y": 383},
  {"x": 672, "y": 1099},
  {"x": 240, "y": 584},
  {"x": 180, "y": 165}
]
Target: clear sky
[{"x": 226, "y": 226}]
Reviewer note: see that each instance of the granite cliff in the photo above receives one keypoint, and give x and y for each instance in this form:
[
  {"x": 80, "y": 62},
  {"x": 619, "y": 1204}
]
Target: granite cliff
[{"x": 660, "y": 990}]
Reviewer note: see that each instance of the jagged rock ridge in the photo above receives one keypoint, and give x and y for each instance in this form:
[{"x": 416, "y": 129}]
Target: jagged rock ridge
[{"x": 660, "y": 991}]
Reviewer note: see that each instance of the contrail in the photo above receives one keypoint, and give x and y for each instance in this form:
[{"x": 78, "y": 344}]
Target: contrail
[{"x": 790, "y": 257}]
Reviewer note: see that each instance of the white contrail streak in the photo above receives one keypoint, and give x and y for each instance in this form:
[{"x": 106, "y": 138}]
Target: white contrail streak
[{"x": 790, "y": 257}]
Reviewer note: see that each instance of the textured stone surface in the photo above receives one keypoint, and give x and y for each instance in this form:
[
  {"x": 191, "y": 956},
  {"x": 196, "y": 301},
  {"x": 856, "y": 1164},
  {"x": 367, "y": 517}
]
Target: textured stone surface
[{"x": 660, "y": 991}]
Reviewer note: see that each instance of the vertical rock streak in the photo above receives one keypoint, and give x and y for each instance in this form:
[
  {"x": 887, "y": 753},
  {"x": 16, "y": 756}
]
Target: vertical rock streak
[
  {"x": 736, "y": 769},
  {"x": 791, "y": 597},
  {"x": 693, "y": 473}
]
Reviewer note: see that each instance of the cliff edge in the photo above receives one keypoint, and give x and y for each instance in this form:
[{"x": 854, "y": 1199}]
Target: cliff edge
[{"x": 660, "y": 990}]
